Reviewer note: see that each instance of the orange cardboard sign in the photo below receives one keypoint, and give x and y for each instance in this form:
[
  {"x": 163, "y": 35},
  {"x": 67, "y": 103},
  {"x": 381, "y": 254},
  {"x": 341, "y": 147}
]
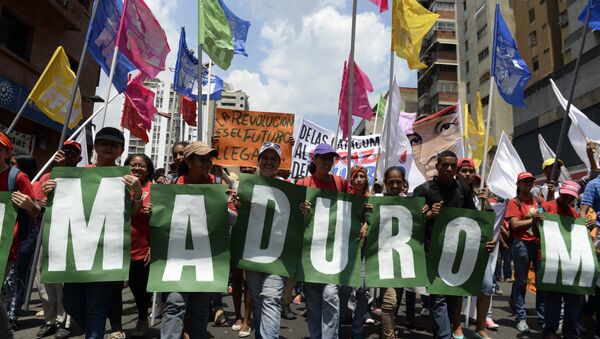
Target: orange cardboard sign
[{"x": 241, "y": 133}]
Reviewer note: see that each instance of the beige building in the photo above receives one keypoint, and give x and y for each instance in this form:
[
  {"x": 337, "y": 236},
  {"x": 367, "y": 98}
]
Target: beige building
[{"x": 475, "y": 21}]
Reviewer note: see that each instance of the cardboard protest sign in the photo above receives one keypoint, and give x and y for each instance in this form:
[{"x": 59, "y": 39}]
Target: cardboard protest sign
[
  {"x": 268, "y": 234},
  {"x": 241, "y": 133},
  {"x": 330, "y": 253},
  {"x": 8, "y": 218},
  {"x": 569, "y": 263},
  {"x": 394, "y": 252},
  {"x": 457, "y": 256},
  {"x": 87, "y": 226},
  {"x": 189, "y": 238},
  {"x": 309, "y": 135}
]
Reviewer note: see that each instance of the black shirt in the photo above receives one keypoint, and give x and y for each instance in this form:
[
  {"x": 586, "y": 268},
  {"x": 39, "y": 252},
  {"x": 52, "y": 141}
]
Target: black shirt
[{"x": 456, "y": 195}]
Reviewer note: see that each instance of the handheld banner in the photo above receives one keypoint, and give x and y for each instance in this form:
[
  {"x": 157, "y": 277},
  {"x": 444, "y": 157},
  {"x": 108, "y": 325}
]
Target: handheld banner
[
  {"x": 394, "y": 251},
  {"x": 569, "y": 263},
  {"x": 330, "y": 253},
  {"x": 268, "y": 234},
  {"x": 189, "y": 238},
  {"x": 240, "y": 135},
  {"x": 309, "y": 135},
  {"x": 457, "y": 256},
  {"x": 8, "y": 218},
  {"x": 87, "y": 226}
]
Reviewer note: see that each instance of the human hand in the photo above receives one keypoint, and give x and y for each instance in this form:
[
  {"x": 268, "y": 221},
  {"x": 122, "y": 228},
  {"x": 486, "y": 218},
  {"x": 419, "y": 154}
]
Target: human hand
[
  {"x": 48, "y": 186},
  {"x": 305, "y": 207}
]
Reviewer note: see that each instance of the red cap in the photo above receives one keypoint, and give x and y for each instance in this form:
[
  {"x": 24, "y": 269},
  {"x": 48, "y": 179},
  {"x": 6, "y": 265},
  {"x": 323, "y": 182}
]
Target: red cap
[
  {"x": 466, "y": 162},
  {"x": 570, "y": 188},
  {"x": 525, "y": 175},
  {"x": 72, "y": 143}
]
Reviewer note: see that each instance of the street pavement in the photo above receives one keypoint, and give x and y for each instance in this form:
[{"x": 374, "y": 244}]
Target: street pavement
[{"x": 28, "y": 324}]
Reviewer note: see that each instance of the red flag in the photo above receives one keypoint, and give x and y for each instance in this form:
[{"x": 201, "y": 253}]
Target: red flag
[
  {"x": 131, "y": 121},
  {"x": 360, "y": 99},
  {"x": 187, "y": 108},
  {"x": 139, "y": 110},
  {"x": 141, "y": 38},
  {"x": 382, "y": 4}
]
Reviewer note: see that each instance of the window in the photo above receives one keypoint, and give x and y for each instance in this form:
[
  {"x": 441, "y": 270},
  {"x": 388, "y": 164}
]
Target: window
[
  {"x": 15, "y": 35},
  {"x": 466, "y": 26},
  {"x": 466, "y": 45},
  {"x": 464, "y": 6},
  {"x": 468, "y": 88},
  {"x": 467, "y": 66},
  {"x": 445, "y": 26},
  {"x": 532, "y": 38},
  {"x": 532, "y": 15},
  {"x": 482, "y": 32},
  {"x": 536, "y": 63},
  {"x": 483, "y": 54},
  {"x": 484, "y": 77},
  {"x": 563, "y": 18},
  {"x": 546, "y": 51}
]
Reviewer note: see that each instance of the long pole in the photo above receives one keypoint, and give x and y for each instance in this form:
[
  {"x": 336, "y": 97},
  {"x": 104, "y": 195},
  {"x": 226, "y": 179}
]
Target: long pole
[
  {"x": 565, "y": 122},
  {"x": 111, "y": 75},
  {"x": 210, "y": 64},
  {"x": 199, "y": 128},
  {"x": 337, "y": 130},
  {"x": 17, "y": 117},
  {"x": 351, "y": 91},
  {"x": 386, "y": 119},
  {"x": 487, "y": 132}
]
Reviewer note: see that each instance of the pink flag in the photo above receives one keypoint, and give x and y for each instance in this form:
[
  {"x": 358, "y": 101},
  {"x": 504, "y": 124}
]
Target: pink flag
[
  {"x": 139, "y": 109},
  {"x": 141, "y": 39},
  {"x": 360, "y": 99},
  {"x": 382, "y": 4}
]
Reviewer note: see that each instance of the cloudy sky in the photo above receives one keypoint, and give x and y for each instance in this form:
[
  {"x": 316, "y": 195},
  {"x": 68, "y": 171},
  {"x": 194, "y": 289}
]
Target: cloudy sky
[{"x": 296, "y": 51}]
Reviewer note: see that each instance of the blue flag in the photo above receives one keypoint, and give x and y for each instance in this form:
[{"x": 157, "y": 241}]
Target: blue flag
[
  {"x": 216, "y": 85},
  {"x": 101, "y": 43},
  {"x": 508, "y": 67},
  {"x": 594, "y": 6},
  {"x": 239, "y": 30},
  {"x": 186, "y": 70}
]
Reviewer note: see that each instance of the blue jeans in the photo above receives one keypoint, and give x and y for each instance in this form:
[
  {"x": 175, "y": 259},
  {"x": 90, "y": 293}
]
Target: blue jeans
[
  {"x": 503, "y": 267},
  {"x": 266, "y": 290},
  {"x": 323, "y": 310},
  {"x": 442, "y": 310},
  {"x": 524, "y": 253},
  {"x": 572, "y": 311},
  {"x": 87, "y": 303},
  {"x": 178, "y": 303}
]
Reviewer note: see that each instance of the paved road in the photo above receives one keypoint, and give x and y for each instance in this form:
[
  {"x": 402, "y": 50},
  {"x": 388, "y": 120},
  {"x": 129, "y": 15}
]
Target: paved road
[{"x": 291, "y": 329}]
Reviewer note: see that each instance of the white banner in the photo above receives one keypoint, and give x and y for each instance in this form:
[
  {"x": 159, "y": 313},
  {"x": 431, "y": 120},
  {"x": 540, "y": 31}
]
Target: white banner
[{"x": 23, "y": 143}]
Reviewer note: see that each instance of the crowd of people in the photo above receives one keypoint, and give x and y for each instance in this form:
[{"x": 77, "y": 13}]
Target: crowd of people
[{"x": 267, "y": 297}]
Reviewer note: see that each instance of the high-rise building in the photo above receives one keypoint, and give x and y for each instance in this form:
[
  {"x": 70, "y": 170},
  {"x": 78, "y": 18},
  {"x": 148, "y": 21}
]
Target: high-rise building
[
  {"x": 410, "y": 104},
  {"x": 475, "y": 22},
  {"x": 30, "y": 32},
  {"x": 438, "y": 83}
]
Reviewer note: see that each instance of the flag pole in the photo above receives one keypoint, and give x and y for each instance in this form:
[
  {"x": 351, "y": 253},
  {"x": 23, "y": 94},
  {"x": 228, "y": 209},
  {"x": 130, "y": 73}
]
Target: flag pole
[
  {"x": 337, "y": 130},
  {"x": 200, "y": 66},
  {"x": 351, "y": 92},
  {"x": 17, "y": 117},
  {"x": 487, "y": 133},
  {"x": 376, "y": 116},
  {"x": 205, "y": 116},
  {"x": 565, "y": 122}
]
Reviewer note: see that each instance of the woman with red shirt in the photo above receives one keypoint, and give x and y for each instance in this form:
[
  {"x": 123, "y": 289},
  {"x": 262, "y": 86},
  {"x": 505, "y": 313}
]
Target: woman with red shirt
[{"x": 142, "y": 168}]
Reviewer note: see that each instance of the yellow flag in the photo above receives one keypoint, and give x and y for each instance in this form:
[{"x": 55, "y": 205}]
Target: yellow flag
[
  {"x": 475, "y": 136},
  {"x": 410, "y": 23},
  {"x": 52, "y": 91}
]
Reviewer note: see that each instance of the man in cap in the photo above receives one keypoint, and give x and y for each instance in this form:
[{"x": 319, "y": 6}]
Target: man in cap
[{"x": 548, "y": 189}]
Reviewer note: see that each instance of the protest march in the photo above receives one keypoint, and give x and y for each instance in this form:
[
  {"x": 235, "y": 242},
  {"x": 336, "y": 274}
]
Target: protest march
[{"x": 156, "y": 224}]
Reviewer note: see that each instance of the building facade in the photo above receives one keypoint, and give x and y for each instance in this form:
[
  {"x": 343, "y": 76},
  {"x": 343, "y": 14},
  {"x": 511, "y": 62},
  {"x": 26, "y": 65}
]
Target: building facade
[{"x": 30, "y": 32}]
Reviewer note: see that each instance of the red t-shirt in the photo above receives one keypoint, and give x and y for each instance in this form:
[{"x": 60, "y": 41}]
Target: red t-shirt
[
  {"x": 140, "y": 229},
  {"x": 528, "y": 208},
  {"x": 553, "y": 208},
  {"x": 38, "y": 193},
  {"x": 184, "y": 180},
  {"x": 331, "y": 185}
]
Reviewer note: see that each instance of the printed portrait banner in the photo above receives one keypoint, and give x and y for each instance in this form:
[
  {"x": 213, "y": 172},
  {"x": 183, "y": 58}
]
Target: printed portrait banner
[
  {"x": 394, "y": 253},
  {"x": 569, "y": 263},
  {"x": 270, "y": 227},
  {"x": 331, "y": 249},
  {"x": 457, "y": 256},
  {"x": 241, "y": 133},
  {"x": 87, "y": 226},
  {"x": 8, "y": 218},
  {"x": 189, "y": 237}
]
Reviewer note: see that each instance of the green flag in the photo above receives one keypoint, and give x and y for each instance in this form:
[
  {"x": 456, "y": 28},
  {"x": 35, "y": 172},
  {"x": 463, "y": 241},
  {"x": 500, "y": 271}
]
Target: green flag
[
  {"x": 87, "y": 226},
  {"x": 214, "y": 33},
  {"x": 330, "y": 253},
  {"x": 394, "y": 251},
  {"x": 569, "y": 263},
  {"x": 381, "y": 106},
  {"x": 268, "y": 234},
  {"x": 189, "y": 235},
  {"x": 8, "y": 218},
  {"x": 457, "y": 256}
]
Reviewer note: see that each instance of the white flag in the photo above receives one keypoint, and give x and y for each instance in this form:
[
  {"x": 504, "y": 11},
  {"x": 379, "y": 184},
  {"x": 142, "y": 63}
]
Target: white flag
[
  {"x": 400, "y": 152},
  {"x": 502, "y": 179},
  {"x": 548, "y": 153},
  {"x": 82, "y": 140},
  {"x": 582, "y": 128}
]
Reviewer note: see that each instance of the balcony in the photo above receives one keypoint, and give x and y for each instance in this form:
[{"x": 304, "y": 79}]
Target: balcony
[
  {"x": 445, "y": 57},
  {"x": 75, "y": 12},
  {"x": 442, "y": 36}
]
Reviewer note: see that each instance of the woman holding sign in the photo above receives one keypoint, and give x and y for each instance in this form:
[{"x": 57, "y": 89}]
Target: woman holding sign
[{"x": 322, "y": 300}]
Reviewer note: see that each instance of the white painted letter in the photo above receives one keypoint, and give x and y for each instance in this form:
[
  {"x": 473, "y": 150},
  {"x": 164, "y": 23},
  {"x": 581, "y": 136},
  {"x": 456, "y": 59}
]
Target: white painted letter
[
  {"x": 450, "y": 251},
  {"x": 318, "y": 248},
  {"x": 388, "y": 242}
]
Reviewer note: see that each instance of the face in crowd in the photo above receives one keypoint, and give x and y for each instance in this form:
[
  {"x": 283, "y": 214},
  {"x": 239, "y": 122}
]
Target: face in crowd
[
  {"x": 268, "y": 163},
  {"x": 139, "y": 168},
  {"x": 199, "y": 164},
  {"x": 177, "y": 152},
  {"x": 394, "y": 181},
  {"x": 108, "y": 151},
  {"x": 359, "y": 180},
  {"x": 446, "y": 167},
  {"x": 325, "y": 162},
  {"x": 466, "y": 174}
]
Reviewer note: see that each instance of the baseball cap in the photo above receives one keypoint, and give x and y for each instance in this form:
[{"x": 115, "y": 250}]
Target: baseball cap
[
  {"x": 267, "y": 145},
  {"x": 323, "y": 149},
  {"x": 110, "y": 134},
  {"x": 72, "y": 143},
  {"x": 570, "y": 188},
  {"x": 525, "y": 175},
  {"x": 466, "y": 162},
  {"x": 5, "y": 141},
  {"x": 199, "y": 148},
  {"x": 550, "y": 162}
]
